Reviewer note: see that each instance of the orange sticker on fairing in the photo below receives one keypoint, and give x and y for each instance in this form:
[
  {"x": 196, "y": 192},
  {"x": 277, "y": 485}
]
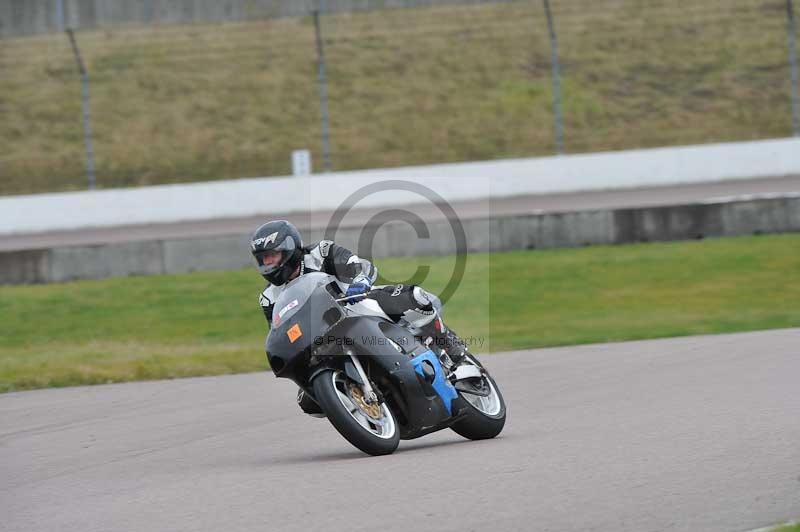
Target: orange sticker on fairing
[{"x": 294, "y": 333}]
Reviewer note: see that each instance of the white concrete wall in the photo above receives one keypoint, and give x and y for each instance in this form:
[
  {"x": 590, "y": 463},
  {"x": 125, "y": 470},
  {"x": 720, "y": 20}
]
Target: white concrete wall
[
  {"x": 454, "y": 182},
  {"x": 397, "y": 239}
]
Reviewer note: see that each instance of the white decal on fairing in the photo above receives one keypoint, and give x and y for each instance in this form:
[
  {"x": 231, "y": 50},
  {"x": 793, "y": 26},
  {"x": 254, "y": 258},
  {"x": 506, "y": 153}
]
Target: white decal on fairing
[{"x": 287, "y": 308}]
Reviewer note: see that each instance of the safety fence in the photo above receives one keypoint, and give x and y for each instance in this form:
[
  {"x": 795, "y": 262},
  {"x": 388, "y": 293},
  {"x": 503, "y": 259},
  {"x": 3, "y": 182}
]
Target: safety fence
[{"x": 387, "y": 84}]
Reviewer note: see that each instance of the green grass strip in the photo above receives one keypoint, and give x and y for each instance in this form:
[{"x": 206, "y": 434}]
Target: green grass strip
[{"x": 208, "y": 323}]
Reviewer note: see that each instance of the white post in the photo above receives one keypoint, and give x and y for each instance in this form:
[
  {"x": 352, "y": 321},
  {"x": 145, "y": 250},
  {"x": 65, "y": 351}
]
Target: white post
[{"x": 301, "y": 162}]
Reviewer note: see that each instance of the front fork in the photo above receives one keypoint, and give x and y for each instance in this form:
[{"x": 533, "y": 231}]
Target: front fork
[{"x": 369, "y": 394}]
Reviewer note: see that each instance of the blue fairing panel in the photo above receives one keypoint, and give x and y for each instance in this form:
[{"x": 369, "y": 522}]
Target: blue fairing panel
[{"x": 442, "y": 386}]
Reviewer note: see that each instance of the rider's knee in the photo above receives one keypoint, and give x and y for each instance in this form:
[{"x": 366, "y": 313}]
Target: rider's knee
[{"x": 426, "y": 299}]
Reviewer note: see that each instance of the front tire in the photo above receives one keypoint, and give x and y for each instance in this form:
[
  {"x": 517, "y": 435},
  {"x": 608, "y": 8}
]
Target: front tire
[
  {"x": 486, "y": 416},
  {"x": 371, "y": 428}
]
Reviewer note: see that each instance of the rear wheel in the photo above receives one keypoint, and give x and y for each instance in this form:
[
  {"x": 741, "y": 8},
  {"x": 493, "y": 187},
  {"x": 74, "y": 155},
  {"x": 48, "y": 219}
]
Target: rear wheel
[
  {"x": 486, "y": 409},
  {"x": 370, "y": 427}
]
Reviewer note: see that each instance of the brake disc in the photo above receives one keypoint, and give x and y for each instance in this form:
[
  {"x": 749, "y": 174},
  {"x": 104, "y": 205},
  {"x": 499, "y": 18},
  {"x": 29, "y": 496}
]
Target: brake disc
[{"x": 372, "y": 410}]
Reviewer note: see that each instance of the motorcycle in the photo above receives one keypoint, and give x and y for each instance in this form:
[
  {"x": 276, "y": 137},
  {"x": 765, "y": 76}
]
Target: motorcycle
[{"x": 376, "y": 381}]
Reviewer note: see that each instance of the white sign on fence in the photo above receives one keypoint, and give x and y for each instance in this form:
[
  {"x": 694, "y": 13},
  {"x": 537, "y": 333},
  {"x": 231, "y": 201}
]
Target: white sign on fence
[{"x": 301, "y": 162}]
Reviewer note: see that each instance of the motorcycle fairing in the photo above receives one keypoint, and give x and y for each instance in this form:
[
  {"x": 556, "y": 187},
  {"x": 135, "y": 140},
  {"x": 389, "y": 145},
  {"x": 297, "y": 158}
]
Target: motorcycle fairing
[
  {"x": 312, "y": 318},
  {"x": 421, "y": 407},
  {"x": 440, "y": 383}
]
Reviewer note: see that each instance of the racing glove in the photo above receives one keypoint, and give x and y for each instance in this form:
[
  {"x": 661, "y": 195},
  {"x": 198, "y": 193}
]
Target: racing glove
[{"x": 357, "y": 289}]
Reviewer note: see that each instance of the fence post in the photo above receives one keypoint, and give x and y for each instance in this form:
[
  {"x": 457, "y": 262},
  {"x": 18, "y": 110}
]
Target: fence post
[
  {"x": 559, "y": 119},
  {"x": 791, "y": 28},
  {"x": 323, "y": 94},
  {"x": 87, "y": 122}
]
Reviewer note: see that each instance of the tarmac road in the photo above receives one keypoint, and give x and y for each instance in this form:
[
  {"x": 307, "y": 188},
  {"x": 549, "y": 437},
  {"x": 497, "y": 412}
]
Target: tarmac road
[
  {"x": 562, "y": 202},
  {"x": 688, "y": 434}
]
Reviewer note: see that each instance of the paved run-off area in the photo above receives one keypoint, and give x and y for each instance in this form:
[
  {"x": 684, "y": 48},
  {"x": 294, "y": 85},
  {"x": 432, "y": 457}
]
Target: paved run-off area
[{"x": 694, "y": 433}]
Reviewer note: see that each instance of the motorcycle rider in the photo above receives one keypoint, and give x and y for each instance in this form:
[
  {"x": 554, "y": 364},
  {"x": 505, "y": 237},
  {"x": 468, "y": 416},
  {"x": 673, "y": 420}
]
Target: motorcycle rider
[{"x": 280, "y": 255}]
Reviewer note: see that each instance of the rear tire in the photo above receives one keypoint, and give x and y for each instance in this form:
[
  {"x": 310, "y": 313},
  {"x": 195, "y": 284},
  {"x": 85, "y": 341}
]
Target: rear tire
[
  {"x": 485, "y": 417},
  {"x": 373, "y": 435}
]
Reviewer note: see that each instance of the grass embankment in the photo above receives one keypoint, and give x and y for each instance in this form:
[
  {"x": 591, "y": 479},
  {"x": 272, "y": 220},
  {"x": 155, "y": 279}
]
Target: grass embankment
[
  {"x": 210, "y": 323},
  {"x": 794, "y": 527},
  {"x": 406, "y": 86}
]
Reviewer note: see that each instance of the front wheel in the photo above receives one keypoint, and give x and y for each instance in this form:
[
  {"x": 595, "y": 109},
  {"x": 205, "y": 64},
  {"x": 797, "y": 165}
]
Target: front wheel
[
  {"x": 486, "y": 409},
  {"x": 370, "y": 427}
]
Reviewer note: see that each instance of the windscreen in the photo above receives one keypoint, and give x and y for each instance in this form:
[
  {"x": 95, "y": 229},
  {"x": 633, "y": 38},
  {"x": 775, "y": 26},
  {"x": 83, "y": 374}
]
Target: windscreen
[{"x": 296, "y": 293}]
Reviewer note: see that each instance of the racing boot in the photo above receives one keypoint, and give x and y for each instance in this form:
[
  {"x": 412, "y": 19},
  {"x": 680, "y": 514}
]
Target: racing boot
[
  {"x": 439, "y": 338},
  {"x": 308, "y": 405}
]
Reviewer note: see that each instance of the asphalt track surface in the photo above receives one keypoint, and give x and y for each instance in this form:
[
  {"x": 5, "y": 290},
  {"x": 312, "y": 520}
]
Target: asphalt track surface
[
  {"x": 562, "y": 202},
  {"x": 688, "y": 434}
]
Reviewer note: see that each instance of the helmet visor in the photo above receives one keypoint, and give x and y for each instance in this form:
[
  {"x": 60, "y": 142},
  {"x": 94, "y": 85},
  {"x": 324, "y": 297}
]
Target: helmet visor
[{"x": 270, "y": 260}]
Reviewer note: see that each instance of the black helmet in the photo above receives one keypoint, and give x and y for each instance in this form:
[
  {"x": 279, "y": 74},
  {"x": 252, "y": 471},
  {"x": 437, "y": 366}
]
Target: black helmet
[{"x": 277, "y": 236}]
